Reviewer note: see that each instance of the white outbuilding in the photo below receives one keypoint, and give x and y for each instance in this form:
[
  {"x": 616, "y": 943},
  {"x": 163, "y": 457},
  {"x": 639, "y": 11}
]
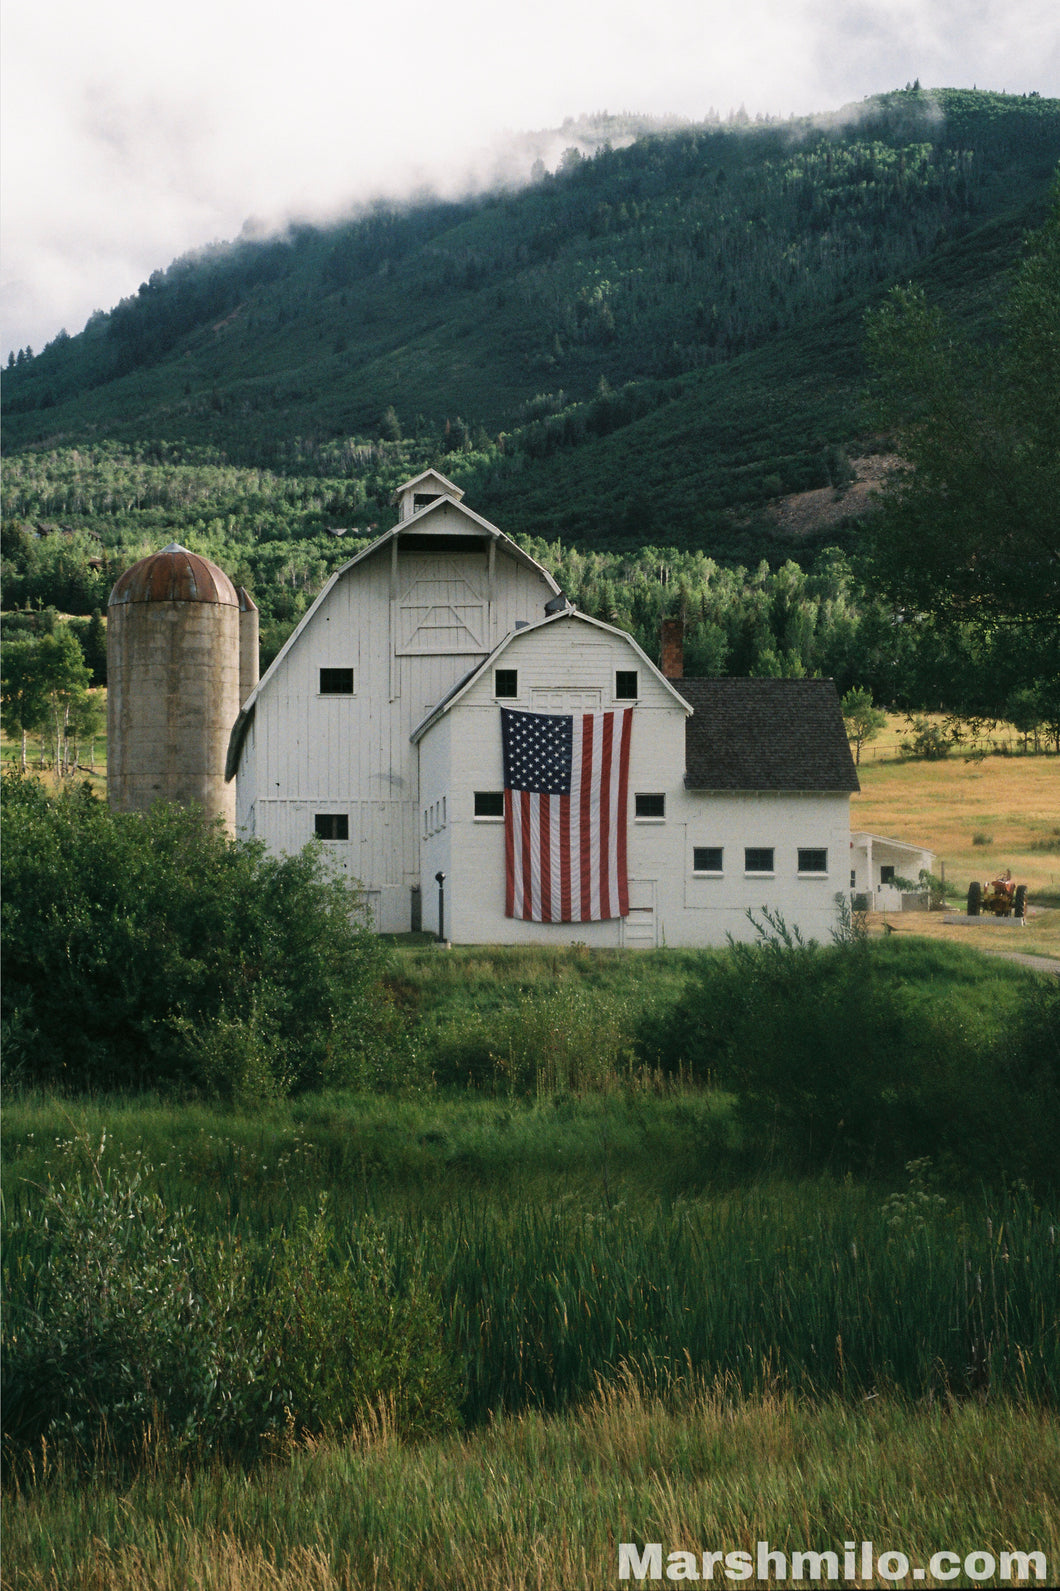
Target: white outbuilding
[
  {"x": 885, "y": 873},
  {"x": 443, "y": 721}
]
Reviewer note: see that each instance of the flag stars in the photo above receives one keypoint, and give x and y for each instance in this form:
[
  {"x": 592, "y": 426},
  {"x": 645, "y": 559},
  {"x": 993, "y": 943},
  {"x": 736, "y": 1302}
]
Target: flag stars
[{"x": 537, "y": 752}]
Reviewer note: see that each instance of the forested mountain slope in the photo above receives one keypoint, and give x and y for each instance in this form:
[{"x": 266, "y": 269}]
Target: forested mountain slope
[
  {"x": 676, "y": 325},
  {"x": 627, "y": 363}
]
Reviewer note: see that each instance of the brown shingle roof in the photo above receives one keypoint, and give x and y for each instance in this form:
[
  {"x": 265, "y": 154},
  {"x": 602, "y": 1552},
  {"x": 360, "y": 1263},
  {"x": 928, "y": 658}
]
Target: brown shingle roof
[{"x": 766, "y": 734}]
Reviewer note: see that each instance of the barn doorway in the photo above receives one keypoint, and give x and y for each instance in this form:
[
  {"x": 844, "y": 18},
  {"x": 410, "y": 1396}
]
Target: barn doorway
[{"x": 639, "y": 929}]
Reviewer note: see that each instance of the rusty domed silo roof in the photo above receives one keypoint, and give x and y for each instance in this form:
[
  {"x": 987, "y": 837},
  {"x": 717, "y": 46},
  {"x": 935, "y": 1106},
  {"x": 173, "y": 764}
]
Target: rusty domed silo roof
[{"x": 174, "y": 575}]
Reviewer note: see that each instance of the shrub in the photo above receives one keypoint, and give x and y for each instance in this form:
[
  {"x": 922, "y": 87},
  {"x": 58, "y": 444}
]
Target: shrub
[
  {"x": 344, "y": 1345},
  {"x": 929, "y": 742},
  {"x": 124, "y": 1324},
  {"x": 868, "y": 1054},
  {"x": 152, "y": 950}
]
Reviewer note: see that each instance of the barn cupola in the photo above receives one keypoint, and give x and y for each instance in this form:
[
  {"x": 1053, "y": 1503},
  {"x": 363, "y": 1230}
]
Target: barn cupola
[{"x": 422, "y": 490}]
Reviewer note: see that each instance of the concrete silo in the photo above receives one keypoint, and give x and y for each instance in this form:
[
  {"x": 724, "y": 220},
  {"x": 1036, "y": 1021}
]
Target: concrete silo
[{"x": 173, "y": 683}]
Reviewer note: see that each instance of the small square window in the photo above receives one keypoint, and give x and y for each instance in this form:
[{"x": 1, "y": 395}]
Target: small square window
[
  {"x": 813, "y": 861},
  {"x": 649, "y": 804},
  {"x": 506, "y": 682},
  {"x": 332, "y": 826},
  {"x": 626, "y": 685},
  {"x": 336, "y": 682},
  {"x": 707, "y": 858},
  {"x": 758, "y": 859},
  {"x": 489, "y": 803}
]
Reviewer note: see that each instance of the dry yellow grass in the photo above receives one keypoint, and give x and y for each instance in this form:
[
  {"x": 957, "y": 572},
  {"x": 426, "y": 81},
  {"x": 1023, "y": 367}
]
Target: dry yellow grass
[{"x": 979, "y": 817}]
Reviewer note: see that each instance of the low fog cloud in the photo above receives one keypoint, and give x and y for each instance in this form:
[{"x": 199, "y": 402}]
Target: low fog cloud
[{"x": 132, "y": 135}]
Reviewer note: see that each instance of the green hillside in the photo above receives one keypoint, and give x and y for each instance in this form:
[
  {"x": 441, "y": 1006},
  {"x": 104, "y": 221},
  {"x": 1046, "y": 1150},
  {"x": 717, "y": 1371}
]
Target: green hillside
[
  {"x": 705, "y": 285},
  {"x": 628, "y": 363}
]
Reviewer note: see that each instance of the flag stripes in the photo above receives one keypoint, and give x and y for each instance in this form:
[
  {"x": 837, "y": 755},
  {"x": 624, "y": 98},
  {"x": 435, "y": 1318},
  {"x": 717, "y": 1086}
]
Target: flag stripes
[{"x": 565, "y": 798}]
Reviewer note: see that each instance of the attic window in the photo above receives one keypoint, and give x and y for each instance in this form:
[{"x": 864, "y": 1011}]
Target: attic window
[
  {"x": 336, "y": 682},
  {"x": 331, "y": 826},
  {"x": 506, "y": 683},
  {"x": 649, "y": 804},
  {"x": 626, "y": 685},
  {"x": 421, "y": 499}
]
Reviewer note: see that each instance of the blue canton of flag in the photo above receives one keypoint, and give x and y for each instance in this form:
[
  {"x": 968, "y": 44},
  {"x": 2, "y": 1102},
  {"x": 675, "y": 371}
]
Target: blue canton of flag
[{"x": 537, "y": 752}]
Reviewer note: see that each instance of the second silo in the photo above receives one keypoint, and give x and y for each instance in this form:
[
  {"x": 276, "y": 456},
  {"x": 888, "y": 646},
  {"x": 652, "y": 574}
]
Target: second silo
[{"x": 173, "y": 624}]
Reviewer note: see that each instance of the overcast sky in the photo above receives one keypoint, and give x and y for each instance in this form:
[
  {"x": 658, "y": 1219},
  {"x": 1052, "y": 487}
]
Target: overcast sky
[{"x": 133, "y": 133}]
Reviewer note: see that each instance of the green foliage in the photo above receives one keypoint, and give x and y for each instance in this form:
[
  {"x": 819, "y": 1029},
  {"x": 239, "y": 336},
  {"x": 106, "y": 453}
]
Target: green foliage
[
  {"x": 929, "y": 742},
  {"x": 152, "y": 949},
  {"x": 866, "y": 1054},
  {"x": 863, "y": 720},
  {"x": 344, "y": 1344},
  {"x": 44, "y": 688},
  {"x": 126, "y": 1326},
  {"x": 969, "y": 531}
]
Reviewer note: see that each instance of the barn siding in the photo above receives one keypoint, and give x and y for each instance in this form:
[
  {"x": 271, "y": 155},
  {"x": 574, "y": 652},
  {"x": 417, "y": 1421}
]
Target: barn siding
[
  {"x": 306, "y": 753},
  {"x": 461, "y": 753},
  {"x": 414, "y": 625}
]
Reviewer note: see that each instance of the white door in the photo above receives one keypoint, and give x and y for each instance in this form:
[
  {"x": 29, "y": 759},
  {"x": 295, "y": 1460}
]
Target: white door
[{"x": 638, "y": 929}]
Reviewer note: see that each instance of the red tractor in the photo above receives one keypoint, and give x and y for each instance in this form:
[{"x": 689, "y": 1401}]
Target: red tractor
[{"x": 1001, "y": 897}]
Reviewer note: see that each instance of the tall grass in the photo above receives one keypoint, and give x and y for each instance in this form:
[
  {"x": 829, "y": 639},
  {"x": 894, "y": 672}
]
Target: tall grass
[
  {"x": 540, "y": 1504},
  {"x": 525, "y": 1021},
  {"x": 573, "y": 1270},
  {"x": 818, "y": 1290}
]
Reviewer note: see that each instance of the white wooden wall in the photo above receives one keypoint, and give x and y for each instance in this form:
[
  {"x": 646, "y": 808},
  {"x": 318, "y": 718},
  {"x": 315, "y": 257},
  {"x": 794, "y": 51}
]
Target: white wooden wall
[
  {"x": 461, "y": 753},
  {"x": 410, "y": 628}
]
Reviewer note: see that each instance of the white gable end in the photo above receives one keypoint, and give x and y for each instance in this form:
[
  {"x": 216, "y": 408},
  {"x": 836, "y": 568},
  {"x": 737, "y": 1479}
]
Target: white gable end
[{"x": 377, "y": 730}]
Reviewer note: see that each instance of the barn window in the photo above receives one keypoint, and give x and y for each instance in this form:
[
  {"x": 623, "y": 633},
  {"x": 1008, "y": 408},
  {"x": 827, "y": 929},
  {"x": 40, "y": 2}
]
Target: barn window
[
  {"x": 332, "y": 826},
  {"x": 506, "y": 682},
  {"x": 336, "y": 682},
  {"x": 489, "y": 803},
  {"x": 758, "y": 859},
  {"x": 626, "y": 685},
  {"x": 707, "y": 858},
  {"x": 813, "y": 861},
  {"x": 649, "y": 804}
]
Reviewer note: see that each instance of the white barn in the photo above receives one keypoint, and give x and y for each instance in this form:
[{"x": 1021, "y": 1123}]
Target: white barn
[{"x": 378, "y": 729}]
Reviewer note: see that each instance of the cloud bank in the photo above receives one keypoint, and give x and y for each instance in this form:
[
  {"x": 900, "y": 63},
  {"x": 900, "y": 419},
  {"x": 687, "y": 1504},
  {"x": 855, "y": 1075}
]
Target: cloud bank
[{"x": 131, "y": 135}]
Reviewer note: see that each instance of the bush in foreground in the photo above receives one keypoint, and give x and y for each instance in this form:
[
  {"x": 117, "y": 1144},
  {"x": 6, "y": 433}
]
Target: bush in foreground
[
  {"x": 124, "y": 1325},
  {"x": 151, "y": 950},
  {"x": 862, "y": 1055}
]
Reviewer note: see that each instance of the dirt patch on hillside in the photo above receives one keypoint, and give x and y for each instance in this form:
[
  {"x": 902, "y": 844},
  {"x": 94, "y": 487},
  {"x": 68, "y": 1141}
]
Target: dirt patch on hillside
[{"x": 803, "y": 513}]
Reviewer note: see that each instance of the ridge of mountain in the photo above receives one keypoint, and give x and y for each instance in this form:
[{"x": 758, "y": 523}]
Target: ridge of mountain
[{"x": 634, "y": 348}]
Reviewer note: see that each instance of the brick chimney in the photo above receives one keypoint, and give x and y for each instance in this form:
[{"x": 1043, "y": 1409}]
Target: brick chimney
[{"x": 673, "y": 648}]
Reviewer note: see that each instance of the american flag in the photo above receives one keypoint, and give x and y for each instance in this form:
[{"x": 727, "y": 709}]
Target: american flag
[{"x": 566, "y": 778}]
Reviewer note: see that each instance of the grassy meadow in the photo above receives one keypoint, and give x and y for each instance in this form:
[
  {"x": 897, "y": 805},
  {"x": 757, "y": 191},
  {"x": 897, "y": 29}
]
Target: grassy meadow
[
  {"x": 657, "y": 1331},
  {"x": 980, "y": 812},
  {"x": 644, "y": 1317}
]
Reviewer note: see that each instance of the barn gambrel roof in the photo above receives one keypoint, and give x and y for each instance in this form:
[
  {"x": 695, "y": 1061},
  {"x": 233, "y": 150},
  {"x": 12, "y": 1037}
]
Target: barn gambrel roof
[
  {"x": 565, "y": 616},
  {"x": 416, "y": 526}
]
